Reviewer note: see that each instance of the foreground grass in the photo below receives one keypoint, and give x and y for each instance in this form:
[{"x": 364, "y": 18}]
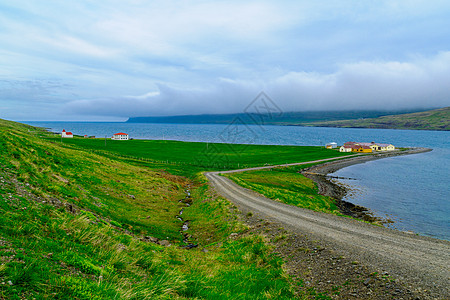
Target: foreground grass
[
  {"x": 286, "y": 185},
  {"x": 72, "y": 224}
]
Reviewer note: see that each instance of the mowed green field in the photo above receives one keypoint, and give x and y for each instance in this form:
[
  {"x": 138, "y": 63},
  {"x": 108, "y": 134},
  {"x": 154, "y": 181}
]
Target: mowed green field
[{"x": 207, "y": 156}]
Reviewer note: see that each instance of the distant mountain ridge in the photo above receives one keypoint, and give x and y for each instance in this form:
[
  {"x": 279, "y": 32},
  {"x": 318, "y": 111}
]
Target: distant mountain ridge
[
  {"x": 288, "y": 118},
  {"x": 436, "y": 119}
]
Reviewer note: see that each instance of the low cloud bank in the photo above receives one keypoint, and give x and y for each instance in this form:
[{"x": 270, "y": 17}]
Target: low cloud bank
[{"x": 419, "y": 83}]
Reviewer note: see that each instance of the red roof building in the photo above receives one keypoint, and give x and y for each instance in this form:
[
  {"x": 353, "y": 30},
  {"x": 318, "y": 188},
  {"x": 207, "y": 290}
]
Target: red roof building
[
  {"x": 121, "y": 136},
  {"x": 66, "y": 134}
]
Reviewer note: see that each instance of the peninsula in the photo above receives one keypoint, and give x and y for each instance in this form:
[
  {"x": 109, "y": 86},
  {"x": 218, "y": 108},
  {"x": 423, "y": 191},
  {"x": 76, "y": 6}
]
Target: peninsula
[{"x": 437, "y": 119}]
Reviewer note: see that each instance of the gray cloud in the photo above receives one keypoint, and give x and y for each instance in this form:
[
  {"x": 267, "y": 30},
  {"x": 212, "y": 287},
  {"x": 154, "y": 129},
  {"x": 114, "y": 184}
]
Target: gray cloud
[
  {"x": 171, "y": 57},
  {"x": 365, "y": 85},
  {"x": 32, "y": 90}
]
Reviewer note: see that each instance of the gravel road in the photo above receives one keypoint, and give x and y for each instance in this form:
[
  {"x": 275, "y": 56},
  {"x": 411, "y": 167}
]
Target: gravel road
[{"x": 419, "y": 261}]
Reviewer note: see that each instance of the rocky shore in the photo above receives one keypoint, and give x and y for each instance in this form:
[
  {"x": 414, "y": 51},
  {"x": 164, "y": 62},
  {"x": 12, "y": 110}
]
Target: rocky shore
[{"x": 319, "y": 174}]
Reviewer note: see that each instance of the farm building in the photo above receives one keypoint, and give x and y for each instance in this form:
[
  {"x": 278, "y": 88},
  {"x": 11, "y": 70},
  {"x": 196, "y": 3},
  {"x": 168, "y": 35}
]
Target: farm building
[
  {"x": 373, "y": 146},
  {"x": 120, "y": 136},
  {"x": 66, "y": 134},
  {"x": 345, "y": 149},
  {"x": 331, "y": 145},
  {"x": 379, "y": 146},
  {"x": 386, "y": 147},
  {"x": 361, "y": 148}
]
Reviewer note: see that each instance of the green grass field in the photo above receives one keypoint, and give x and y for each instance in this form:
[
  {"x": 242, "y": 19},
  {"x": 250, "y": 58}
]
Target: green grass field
[
  {"x": 73, "y": 216},
  {"x": 206, "y": 155},
  {"x": 286, "y": 185},
  {"x": 188, "y": 159}
]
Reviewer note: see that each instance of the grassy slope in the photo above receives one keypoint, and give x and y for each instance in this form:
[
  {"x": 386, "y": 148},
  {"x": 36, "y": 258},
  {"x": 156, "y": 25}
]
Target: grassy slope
[
  {"x": 286, "y": 185},
  {"x": 438, "y": 119},
  {"x": 49, "y": 252}
]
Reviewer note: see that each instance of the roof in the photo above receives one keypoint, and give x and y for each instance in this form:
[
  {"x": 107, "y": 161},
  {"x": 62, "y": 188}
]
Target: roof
[
  {"x": 69, "y": 133},
  {"x": 356, "y": 146},
  {"x": 120, "y": 133}
]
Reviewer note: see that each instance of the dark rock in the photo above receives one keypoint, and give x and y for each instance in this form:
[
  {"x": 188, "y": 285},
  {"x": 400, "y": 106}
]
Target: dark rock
[
  {"x": 367, "y": 281},
  {"x": 190, "y": 246}
]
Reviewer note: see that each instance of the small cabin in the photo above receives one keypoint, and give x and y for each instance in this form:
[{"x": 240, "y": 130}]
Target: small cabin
[
  {"x": 120, "y": 136},
  {"x": 66, "y": 134},
  {"x": 331, "y": 145}
]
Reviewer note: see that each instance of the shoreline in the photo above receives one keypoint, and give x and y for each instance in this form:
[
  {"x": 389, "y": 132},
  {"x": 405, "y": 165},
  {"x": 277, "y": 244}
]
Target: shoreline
[
  {"x": 333, "y": 253},
  {"x": 319, "y": 174}
]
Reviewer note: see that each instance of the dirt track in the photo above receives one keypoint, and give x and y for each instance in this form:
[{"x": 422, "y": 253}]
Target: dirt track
[{"x": 419, "y": 261}]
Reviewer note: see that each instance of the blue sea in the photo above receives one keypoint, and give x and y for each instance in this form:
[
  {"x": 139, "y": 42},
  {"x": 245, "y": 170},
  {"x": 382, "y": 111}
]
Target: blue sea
[{"x": 413, "y": 190}]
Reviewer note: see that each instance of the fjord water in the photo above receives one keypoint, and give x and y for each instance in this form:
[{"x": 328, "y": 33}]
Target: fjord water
[{"x": 412, "y": 190}]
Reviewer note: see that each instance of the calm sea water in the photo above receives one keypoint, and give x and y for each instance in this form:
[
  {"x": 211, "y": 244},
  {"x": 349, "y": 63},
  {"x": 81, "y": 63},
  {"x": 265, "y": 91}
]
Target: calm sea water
[{"x": 412, "y": 190}]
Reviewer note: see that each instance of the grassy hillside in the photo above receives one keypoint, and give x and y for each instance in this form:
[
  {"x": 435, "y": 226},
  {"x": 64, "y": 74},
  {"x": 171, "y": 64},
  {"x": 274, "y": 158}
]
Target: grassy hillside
[
  {"x": 438, "y": 119},
  {"x": 78, "y": 221},
  {"x": 72, "y": 226}
]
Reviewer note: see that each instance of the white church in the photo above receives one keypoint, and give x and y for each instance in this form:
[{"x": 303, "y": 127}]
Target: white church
[{"x": 66, "y": 134}]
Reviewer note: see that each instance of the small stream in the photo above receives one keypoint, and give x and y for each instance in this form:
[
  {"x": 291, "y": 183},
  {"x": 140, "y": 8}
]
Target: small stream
[{"x": 187, "y": 200}]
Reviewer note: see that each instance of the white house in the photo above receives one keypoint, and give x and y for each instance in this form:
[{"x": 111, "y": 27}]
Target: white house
[
  {"x": 120, "y": 136},
  {"x": 386, "y": 147},
  {"x": 345, "y": 149},
  {"x": 66, "y": 134}
]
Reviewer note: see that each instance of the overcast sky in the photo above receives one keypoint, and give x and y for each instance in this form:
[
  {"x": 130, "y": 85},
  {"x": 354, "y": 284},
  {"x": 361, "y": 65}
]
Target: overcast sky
[{"x": 110, "y": 60}]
